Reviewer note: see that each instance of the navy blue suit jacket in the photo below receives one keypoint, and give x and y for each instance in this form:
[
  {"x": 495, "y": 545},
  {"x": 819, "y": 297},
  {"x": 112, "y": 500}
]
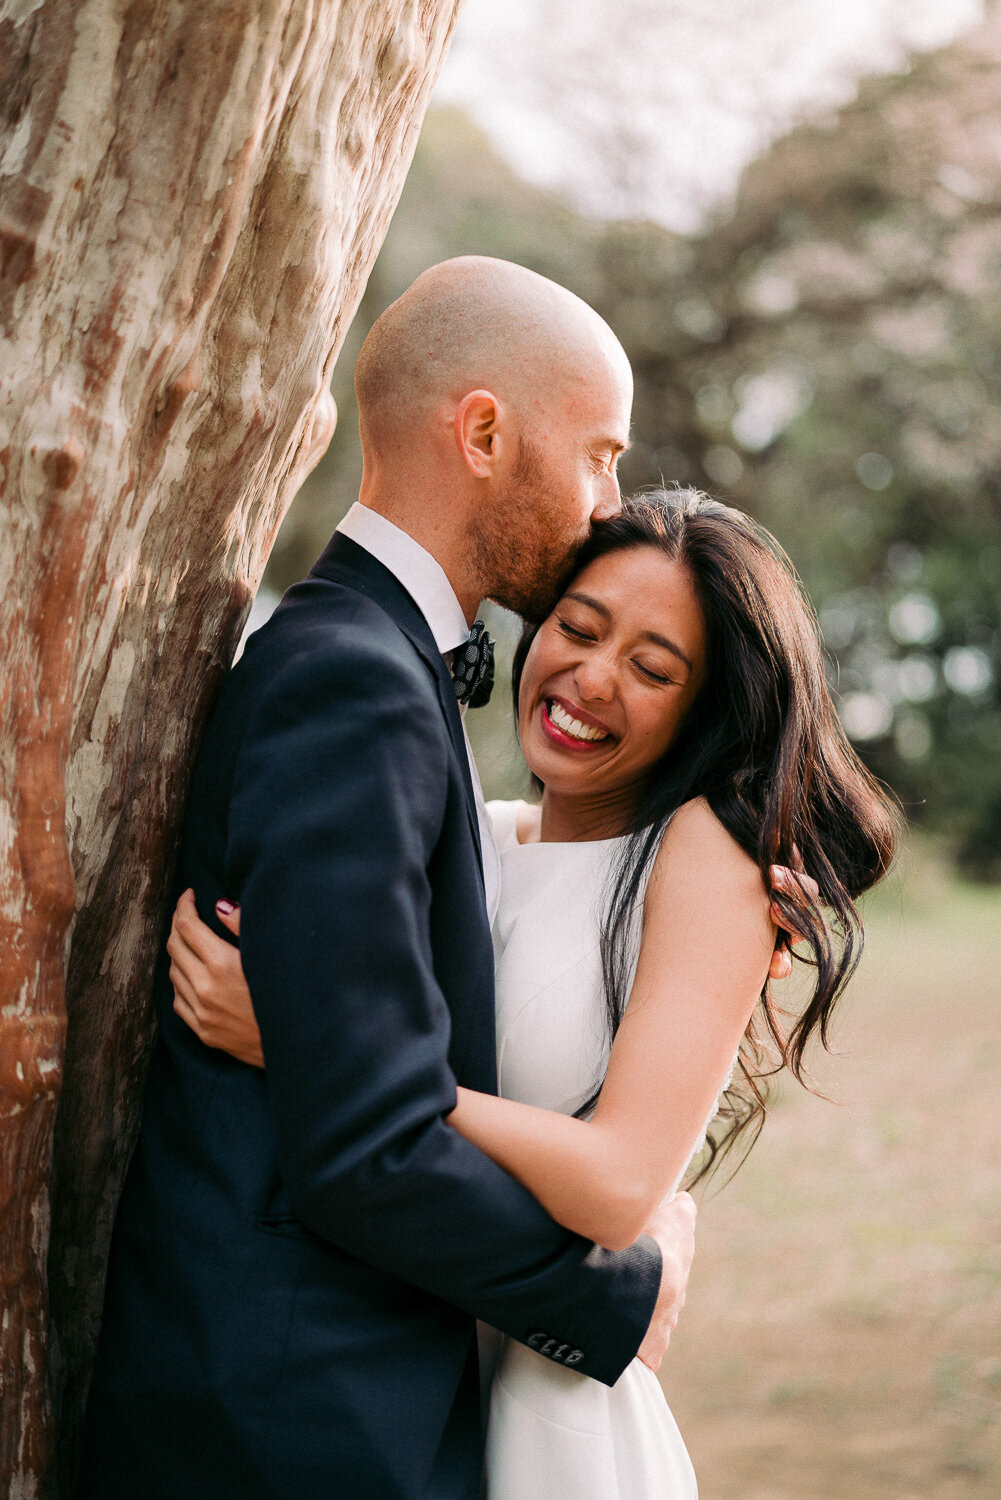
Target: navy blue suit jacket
[{"x": 300, "y": 1253}]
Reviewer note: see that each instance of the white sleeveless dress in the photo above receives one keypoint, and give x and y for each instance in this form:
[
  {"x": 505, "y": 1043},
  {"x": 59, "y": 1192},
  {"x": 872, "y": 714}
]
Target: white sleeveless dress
[{"x": 552, "y": 1433}]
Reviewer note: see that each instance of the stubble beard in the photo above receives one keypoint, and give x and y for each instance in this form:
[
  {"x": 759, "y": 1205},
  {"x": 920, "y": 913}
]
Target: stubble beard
[{"x": 521, "y": 553}]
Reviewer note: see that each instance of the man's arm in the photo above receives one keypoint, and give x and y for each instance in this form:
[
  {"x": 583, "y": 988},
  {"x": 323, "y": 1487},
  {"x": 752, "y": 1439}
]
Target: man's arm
[{"x": 337, "y": 806}]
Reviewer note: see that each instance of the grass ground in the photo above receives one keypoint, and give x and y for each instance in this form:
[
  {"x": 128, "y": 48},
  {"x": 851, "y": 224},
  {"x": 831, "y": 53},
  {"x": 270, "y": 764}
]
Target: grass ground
[{"x": 842, "y": 1336}]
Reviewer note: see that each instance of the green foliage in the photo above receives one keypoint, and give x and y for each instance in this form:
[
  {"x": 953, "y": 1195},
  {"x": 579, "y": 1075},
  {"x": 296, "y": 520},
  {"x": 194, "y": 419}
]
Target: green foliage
[{"x": 827, "y": 357}]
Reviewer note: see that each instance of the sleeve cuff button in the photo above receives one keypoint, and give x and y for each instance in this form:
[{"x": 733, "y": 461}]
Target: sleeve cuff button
[{"x": 561, "y": 1354}]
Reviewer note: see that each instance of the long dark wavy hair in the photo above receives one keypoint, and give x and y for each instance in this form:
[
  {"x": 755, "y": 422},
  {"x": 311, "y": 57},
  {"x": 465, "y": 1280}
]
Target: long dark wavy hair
[{"x": 764, "y": 746}]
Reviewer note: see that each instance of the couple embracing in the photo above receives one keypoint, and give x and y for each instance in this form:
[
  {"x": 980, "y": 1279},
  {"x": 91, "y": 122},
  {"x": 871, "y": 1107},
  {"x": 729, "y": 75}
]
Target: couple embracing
[{"x": 484, "y": 1043}]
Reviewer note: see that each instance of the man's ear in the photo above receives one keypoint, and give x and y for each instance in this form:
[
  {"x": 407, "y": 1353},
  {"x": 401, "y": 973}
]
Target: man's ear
[{"x": 477, "y": 419}]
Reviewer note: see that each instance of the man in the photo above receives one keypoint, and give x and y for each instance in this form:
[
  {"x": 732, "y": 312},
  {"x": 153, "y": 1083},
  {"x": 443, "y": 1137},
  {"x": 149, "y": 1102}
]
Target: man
[{"x": 300, "y": 1253}]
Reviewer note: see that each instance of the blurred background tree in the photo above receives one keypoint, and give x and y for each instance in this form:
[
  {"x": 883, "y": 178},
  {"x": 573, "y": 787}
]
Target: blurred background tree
[{"x": 824, "y": 352}]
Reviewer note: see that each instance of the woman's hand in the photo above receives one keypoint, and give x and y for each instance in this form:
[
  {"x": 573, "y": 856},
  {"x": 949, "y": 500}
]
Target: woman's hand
[
  {"x": 672, "y": 1225},
  {"x": 210, "y": 991}
]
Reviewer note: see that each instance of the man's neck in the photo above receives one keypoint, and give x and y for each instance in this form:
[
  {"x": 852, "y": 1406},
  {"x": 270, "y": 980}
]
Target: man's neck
[{"x": 449, "y": 549}]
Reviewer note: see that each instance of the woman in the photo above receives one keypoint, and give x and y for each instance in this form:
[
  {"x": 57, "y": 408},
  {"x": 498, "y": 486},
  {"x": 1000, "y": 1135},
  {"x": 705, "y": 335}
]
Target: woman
[{"x": 674, "y": 711}]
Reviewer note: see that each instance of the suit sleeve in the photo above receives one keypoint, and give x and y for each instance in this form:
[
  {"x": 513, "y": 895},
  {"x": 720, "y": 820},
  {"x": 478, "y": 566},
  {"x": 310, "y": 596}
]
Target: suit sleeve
[{"x": 338, "y": 802}]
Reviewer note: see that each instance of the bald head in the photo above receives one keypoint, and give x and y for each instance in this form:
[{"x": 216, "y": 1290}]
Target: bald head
[
  {"x": 476, "y": 323},
  {"x": 493, "y": 405}
]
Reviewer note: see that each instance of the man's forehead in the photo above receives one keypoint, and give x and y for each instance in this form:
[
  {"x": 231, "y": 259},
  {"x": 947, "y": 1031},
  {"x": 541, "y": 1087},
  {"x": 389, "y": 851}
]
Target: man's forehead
[
  {"x": 602, "y": 409},
  {"x": 602, "y": 386}
]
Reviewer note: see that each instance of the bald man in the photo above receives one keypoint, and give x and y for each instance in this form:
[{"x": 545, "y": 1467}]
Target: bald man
[{"x": 301, "y": 1252}]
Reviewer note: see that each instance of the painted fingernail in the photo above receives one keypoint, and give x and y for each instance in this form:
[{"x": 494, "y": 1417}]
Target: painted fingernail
[{"x": 227, "y": 908}]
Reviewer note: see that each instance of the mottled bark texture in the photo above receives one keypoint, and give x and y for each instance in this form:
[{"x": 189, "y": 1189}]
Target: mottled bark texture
[{"x": 192, "y": 193}]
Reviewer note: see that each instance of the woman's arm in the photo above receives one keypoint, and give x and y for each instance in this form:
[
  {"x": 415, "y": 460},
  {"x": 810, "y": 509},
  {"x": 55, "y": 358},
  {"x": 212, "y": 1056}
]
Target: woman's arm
[
  {"x": 693, "y": 994},
  {"x": 690, "y": 1003}
]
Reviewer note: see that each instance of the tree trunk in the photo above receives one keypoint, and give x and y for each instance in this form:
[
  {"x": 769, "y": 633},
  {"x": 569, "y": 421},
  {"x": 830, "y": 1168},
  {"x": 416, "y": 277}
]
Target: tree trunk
[{"x": 192, "y": 193}]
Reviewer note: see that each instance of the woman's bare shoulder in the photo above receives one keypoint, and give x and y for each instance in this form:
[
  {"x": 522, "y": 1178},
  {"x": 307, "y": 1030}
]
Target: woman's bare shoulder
[{"x": 697, "y": 847}]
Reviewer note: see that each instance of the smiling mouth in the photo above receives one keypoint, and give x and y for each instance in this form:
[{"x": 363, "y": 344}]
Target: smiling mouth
[{"x": 557, "y": 718}]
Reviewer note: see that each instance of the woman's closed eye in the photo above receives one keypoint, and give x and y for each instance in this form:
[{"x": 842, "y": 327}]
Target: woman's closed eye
[
  {"x": 654, "y": 676},
  {"x": 574, "y": 631}
]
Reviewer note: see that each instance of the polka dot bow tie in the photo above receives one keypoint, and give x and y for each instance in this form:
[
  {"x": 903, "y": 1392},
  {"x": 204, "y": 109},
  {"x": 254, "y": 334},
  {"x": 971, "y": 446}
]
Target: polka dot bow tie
[{"x": 473, "y": 668}]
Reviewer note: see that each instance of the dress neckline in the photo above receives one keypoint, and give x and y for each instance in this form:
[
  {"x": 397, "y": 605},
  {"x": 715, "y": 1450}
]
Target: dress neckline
[
  {"x": 515, "y": 843},
  {"x": 567, "y": 843}
]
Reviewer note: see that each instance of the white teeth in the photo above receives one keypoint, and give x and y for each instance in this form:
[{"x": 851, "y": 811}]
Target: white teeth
[{"x": 572, "y": 726}]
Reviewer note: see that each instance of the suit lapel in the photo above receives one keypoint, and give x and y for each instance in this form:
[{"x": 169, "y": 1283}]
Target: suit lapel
[{"x": 344, "y": 562}]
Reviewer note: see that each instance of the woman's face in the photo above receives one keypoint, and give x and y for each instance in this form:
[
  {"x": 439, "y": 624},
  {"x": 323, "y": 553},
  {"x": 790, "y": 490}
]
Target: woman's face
[{"x": 611, "y": 674}]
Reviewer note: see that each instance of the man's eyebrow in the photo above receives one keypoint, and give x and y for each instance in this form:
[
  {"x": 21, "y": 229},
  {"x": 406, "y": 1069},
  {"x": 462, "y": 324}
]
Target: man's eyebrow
[
  {"x": 615, "y": 444},
  {"x": 648, "y": 635}
]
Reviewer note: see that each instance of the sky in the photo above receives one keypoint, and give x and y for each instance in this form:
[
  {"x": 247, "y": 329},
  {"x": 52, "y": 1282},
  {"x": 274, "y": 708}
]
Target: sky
[{"x": 651, "y": 108}]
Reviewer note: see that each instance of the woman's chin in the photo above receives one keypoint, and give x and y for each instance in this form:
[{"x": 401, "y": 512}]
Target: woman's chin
[{"x": 562, "y": 772}]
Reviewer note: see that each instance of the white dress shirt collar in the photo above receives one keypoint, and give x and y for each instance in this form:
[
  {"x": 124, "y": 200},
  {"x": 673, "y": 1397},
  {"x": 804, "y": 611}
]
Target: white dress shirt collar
[
  {"x": 423, "y": 578},
  {"x": 427, "y": 584}
]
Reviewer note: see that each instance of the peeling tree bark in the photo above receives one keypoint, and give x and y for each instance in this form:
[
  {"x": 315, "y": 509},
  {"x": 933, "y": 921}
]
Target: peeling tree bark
[{"x": 192, "y": 193}]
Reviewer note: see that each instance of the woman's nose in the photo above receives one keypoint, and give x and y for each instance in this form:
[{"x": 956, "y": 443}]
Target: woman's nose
[{"x": 593, "y": 679}]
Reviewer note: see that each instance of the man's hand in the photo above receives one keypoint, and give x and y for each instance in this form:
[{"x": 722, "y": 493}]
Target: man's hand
[
  {"x": 804, "y": 891},
  {"x": 210, "y": 991},
  {"x": 673, "y": 1227}
]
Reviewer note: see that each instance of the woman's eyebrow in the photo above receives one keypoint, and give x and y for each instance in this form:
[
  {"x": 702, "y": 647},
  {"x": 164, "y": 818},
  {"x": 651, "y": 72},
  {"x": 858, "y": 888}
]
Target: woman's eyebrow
[
  {"x": 669, "y": 645},
  {"x": 595, "y": 604},
  {"x": 648, "y": 635}
]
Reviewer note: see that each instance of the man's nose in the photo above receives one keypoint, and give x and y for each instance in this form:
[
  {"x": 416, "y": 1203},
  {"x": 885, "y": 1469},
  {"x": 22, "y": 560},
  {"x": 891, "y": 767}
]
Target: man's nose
[{"x": 609, "y": 503}]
